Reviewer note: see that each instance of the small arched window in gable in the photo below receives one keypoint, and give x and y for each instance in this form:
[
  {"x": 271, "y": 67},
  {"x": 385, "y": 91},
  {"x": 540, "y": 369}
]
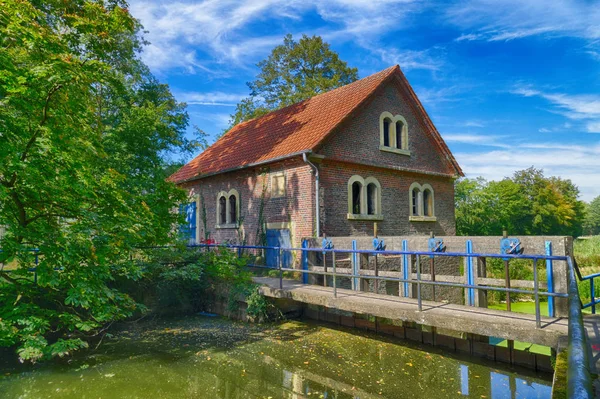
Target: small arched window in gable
[
  {"x": 393, "y": 134},
  {"x": 356, "y": 194},
  {"x": 399, "y": 131},
  {"x": 387, "y": 122},
  {"x": 232, "y": 209},
  {"x": 222, "y": 210}
]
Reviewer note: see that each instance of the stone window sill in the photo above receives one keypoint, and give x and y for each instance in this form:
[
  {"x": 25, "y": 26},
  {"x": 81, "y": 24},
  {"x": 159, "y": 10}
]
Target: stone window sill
[
  {"x": 352, "y": 216},
  {"x": 394, "y": 150},
  {"x": 422, "y": 218},
  {"x": 227, "y": 226}
]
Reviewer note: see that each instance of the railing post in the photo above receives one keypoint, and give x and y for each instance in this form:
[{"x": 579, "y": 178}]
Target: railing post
[
  {"x": 280, "y": 268},
  {"x": 507, "y": 280},
  {"x": 334, "y": 275},
  {"x": 355, "y": 268},
  {"x": 305, "y": 261},
  {"x": 419, "y": 283},
  {"x": 536, "y": 290},
  {"x": 470, "y": 277},
  {"x": 325, "y": 269},
  {"x": 405, "y": 265},
  {"x": 592, "y": 290},
  {"x": 550, "y": 278}
]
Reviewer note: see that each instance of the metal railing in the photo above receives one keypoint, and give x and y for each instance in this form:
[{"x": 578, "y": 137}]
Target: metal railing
[
  {"x": 33, "y": 270},
  {"x": 419, "y": 281},
  {"x": 579, "y": 380},
  {"x": 593, "y": 302}
]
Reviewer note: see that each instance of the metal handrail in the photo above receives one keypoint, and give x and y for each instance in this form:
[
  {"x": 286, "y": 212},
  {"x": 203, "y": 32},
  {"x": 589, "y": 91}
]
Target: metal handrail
[
  {"x": 418, "y": 281},
  {"x": 579, "y": 379}
]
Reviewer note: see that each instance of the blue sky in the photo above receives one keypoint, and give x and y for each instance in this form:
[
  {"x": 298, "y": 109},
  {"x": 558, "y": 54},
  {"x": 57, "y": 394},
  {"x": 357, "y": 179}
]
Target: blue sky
[{"x": 509, "y": 84}]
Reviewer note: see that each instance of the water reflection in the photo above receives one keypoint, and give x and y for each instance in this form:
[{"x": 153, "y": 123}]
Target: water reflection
[{"x": 208, "y": 358}]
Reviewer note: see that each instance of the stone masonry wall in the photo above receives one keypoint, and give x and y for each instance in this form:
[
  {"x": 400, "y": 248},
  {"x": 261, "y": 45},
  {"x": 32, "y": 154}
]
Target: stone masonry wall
[
  {"x": 395, "y": 202},
  {"x": 296, "y": 207}
]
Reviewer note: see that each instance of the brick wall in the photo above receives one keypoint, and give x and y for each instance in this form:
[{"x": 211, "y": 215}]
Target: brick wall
[
  {"x": 352, "y": 149},
  {"x": 296, "y": 206},
  {"x": 358, "y": 139},
  {"x": 394, "y": 202}
]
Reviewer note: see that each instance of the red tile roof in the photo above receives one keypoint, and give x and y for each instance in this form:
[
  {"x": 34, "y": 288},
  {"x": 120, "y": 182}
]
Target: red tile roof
[{"x": 291, "y": 130}]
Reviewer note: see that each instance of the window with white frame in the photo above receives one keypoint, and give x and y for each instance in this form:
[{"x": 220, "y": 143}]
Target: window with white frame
[
  {"x": 422, "y": 203},
  {"x": 393, "y": 133},
  {"x": 278, "y": 185},
  {"x": 228, "y": 209},
  {"x": 364, "y": 198}
]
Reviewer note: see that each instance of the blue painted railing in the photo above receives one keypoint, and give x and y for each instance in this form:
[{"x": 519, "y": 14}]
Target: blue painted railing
[{"x": 579, "y": 380}]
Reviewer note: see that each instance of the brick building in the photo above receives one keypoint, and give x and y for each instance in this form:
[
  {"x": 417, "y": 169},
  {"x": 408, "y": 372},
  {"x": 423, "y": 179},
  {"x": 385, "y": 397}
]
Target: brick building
[{"x": 368, "y": 148}]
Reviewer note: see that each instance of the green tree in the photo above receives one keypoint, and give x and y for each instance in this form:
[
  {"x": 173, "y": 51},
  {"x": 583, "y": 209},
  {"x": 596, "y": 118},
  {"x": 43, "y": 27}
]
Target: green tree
[
  {"x": 294, "y": 71},
  {"x": 84, "y": 128},
  {"x": 592, "y": 217},
  {"x": 526, "y": 204}
]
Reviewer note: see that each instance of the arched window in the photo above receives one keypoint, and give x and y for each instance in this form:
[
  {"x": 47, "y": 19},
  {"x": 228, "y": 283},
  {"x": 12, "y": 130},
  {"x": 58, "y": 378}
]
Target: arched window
[
  {"x": 222, "y": 210},
  {"x": 427, "y": 203},
  {"x": 393, "y": 134},
  {"x": 232, "y": 209},
  {"x": 387, "y": 122},
  {"x": 371, "y": 199},
  {"x": 399, "y": 130},
  {"x": 356, "y": 197},
  {"x": 415, "y": 201},
  {"x": 228, "y": 209},
  {"x": 364, "y": 198},
  {"x": 422, "y": 203}
]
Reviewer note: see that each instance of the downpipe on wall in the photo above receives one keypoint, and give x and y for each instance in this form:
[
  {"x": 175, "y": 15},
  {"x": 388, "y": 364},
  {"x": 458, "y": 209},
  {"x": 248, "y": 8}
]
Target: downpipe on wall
[{"x": 316, "y": 170}]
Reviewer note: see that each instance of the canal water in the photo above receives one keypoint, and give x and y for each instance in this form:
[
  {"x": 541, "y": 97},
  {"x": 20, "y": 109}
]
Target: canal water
[{"x": 210, "y": 357}]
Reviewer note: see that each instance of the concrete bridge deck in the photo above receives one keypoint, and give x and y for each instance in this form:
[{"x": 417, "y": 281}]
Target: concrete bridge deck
[{"x": 474, "y": 320}]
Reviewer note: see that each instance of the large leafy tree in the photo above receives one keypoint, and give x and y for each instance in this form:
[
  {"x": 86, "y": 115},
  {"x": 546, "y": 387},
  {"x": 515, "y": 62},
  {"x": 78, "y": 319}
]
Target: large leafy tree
[
  {"x": 84, "y": 128},
  {"x": 294, "y": 71},
  {"x": 528, "y": 203},
  {"x": 592, "y": 217}
]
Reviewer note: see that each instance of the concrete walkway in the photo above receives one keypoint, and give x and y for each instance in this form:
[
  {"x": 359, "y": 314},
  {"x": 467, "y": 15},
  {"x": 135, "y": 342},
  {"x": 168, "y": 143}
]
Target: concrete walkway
[{"x": 480, "y": 321}]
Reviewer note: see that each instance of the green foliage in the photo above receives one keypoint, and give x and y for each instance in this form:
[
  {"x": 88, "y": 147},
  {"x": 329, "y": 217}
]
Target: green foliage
[
  {"x": 526, "y": 204},
  {"x": 182, "y": 279},
  {"x": 591, "y": 224},
  {"x": 587, "y": 255},
  {"x": 84, "y": 129},
  {"x": 258, "y": 306},
  {"x": 294, "y": 71}
]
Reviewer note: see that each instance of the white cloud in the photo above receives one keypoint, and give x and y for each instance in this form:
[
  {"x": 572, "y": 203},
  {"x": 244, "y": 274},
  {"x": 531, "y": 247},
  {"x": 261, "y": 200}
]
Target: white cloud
[
  {"x": 409, "y": 59},
  {"x": 495, "y": 20},
  {"x": 578, "y": 163},
  {"x": 212, "y": 98},
  {"x": 474, "y": 123},
  {"x": 593, "y": 127},
  {"x": 572, "y": 106},
  {"x": 476, "y": 139},
  {"x": 206, "y": 35}
]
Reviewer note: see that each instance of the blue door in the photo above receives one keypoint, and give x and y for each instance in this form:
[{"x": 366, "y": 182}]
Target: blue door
[
  {"x": 279, "y": 238},
  {"x": 188, "y": 230}
]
